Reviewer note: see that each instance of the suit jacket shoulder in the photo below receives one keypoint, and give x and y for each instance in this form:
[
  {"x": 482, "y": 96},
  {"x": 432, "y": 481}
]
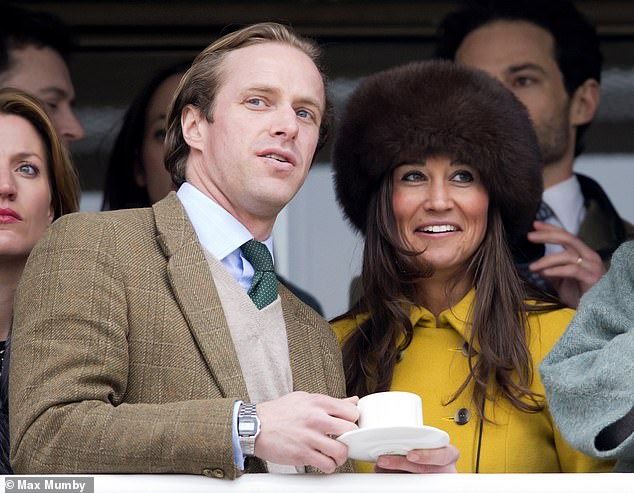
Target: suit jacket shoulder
[{"x": 602, "y": 229}]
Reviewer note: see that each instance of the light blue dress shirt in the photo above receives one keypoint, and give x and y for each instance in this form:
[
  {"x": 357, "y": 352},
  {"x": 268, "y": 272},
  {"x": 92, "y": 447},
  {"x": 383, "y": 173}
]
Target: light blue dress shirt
[{"x": 220, "y": 233}]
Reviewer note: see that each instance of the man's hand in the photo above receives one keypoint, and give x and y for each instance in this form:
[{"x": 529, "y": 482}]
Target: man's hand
[
  {"x": 440, "y": 460},
  {"x": 299, "y": 429},
  {"x": 571, "y": 272}
]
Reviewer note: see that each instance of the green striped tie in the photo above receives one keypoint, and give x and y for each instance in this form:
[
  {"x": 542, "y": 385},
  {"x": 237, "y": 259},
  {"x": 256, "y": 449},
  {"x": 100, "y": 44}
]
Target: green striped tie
[{"x": 263, "y": 290}]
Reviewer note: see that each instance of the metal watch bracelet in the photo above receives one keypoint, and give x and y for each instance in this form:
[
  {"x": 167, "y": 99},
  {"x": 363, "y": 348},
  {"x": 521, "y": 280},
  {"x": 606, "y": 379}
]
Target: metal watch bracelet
[{"x": 248, "y": 428}]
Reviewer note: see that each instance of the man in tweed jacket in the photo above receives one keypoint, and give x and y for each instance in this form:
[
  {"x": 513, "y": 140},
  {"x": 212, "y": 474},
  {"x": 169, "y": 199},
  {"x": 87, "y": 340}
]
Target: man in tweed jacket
[{"x": 124, "y": 356}]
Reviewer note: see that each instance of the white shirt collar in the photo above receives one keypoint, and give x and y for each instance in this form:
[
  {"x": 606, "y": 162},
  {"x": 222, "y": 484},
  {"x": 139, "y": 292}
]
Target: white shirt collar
[{"x": 566, "y": 201}]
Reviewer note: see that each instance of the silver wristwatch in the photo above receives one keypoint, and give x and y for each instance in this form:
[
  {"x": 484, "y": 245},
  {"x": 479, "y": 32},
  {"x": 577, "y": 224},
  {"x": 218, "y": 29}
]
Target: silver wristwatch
[{"x": 248, "y": 428}]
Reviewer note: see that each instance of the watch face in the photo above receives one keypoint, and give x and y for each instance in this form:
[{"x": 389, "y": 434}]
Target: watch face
[{"x": 247, "y": 426}]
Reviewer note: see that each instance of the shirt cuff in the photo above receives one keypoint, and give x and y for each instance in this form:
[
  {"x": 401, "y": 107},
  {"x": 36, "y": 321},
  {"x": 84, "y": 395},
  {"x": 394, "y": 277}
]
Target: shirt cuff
[{"x": 238, "y": 456}]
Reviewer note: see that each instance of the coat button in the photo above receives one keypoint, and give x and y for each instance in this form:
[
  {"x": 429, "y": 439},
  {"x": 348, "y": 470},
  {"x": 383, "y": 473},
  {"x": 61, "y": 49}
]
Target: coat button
[
  {"x": 465, "y": 349},
  {"x": 462, "y": 416},
  {"x": 214, "y": 473}
]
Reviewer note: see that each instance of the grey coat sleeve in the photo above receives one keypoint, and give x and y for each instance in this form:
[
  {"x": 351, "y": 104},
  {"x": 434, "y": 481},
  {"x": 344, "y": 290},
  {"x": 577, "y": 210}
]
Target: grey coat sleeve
[{"x": 589, "y": 374}]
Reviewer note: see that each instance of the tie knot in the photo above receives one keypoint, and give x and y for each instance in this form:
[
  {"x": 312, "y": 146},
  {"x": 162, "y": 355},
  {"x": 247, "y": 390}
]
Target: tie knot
[{"x": 258, "y": 255}]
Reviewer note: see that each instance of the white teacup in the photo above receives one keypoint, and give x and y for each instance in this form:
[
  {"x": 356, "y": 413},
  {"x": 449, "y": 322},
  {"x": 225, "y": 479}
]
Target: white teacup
[
  {"x": 387, "y": 409},
  {"x": 391, "y": 423}
]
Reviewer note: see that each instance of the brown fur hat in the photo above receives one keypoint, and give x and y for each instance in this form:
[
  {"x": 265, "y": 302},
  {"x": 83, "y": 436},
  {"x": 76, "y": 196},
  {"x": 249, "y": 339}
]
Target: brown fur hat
[{"x": 438, "y": 108}]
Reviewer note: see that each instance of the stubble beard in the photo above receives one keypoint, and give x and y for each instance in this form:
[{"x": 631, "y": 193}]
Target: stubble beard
[{"x": 554, "y": 137}]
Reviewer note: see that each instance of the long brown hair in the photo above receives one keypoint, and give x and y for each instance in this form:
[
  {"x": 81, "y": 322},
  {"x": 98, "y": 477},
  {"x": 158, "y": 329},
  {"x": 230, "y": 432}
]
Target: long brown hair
[{"x": 390, "y": 275}]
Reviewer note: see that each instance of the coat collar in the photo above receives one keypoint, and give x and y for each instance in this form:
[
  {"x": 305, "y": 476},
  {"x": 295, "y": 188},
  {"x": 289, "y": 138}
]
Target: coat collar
[{"x": 456, "y": 317}]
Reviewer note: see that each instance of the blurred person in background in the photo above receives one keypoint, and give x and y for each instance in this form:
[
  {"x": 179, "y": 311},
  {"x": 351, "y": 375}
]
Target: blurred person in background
[
  {"x": 136, "y": 175},
  {"x": 34, "y": 50}
]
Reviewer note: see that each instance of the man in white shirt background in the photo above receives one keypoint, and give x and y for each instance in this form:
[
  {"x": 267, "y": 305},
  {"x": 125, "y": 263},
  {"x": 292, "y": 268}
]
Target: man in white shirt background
[{"x": 548, "y": 54}]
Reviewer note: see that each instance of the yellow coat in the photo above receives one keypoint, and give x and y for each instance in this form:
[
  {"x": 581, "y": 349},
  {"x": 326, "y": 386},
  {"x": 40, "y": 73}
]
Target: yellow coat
[{"x": 434, "y": 366}]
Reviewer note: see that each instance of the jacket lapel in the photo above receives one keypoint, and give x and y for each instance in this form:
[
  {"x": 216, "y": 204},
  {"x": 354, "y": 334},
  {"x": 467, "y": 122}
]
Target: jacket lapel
[
  {"x": 306, "y": 356},
  {"x": 195, "y": 292},
  {"x": 304, "y": 349}
]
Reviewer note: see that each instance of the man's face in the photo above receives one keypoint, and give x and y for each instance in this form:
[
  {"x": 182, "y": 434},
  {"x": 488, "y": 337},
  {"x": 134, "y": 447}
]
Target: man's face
[
  {"x": 522, "y": 56},
  {"x": 43, "y": 73},
  {"x": 257, "y": 151}
]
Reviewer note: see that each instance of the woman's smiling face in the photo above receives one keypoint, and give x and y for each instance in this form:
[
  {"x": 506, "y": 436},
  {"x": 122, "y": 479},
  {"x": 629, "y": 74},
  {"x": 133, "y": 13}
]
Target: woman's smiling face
[{"x": 441, "y": 209}]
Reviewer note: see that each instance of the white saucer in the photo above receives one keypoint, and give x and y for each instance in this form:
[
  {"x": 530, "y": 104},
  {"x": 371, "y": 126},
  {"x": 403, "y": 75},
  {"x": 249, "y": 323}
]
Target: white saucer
[{"x": 368, "y": 444}]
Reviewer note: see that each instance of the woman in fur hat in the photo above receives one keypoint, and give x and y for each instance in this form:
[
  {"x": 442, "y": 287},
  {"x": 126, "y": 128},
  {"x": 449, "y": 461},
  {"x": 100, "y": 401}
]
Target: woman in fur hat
[{"x": 437, "y": 165}]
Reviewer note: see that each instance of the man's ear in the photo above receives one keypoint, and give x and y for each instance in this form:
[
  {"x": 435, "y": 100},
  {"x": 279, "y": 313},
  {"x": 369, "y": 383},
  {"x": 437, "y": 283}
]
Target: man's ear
[
  {"x": 194, "y": 126},
  {"x": 585, "y": 102}
]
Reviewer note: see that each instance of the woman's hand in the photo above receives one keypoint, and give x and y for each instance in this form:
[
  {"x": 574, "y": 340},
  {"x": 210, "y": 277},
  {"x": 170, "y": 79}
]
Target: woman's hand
[
  {"x": 420, "y": 461},
  {"x": 571, "y": 272}
]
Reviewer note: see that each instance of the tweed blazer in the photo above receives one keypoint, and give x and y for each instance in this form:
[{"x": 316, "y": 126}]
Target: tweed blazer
[{"x": 122, "y": 360}]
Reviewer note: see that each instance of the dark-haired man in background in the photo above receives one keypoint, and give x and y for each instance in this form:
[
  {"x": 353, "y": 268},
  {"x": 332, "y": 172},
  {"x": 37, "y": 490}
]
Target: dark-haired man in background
[
  {"x": 548, "y": 54},
  {"x": 34, "y": 48}
]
